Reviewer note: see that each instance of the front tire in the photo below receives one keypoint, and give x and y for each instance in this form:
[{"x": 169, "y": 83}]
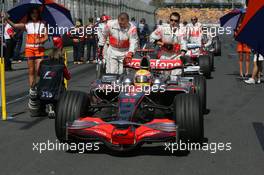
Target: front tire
[
  {"x": 200, "y": 89},
  {"x": 71, "y": 106},
  {"x": 189, "y": 118}
]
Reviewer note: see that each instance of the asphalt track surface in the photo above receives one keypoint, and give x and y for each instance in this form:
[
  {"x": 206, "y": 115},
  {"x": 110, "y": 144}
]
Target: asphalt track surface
[{"x": 236, "y": 117}]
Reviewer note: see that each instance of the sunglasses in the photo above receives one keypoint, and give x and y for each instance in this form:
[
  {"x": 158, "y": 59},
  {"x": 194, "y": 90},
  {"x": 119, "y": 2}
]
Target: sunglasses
[
  {"x": 194, "y": 19},
  {"x": 174, "y": 20}
]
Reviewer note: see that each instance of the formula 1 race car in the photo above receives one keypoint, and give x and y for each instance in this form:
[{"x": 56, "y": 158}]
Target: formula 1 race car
[
  {"x": 199, "y": 61},
  {"x": 126, "y": 118}
]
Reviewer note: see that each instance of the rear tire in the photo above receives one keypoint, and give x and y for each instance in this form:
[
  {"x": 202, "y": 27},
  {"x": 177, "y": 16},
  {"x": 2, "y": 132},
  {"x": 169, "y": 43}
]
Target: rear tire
[
  {"x": 218, "y": 45},
  {"x": 189, "y": 117},
  {"x": 71, "y": 106},
  {"x": 200, "y": 89},
  {"x": 204, "y": 63},
  {"x": 211, "y": 56}
]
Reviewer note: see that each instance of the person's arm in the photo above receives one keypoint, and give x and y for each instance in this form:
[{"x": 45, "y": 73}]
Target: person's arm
[
  {"x": 183, "y": 43},
  {"x": 155, "y": 37},
  {"x": 209, "y": 41},
  {"x": 20, "y": 26},
  {"x": 99, "y": 31},
  {"x": 236, "y": 30},
  {"x": 43, "y": 35},
  {"x": 133, "y": 40},
  {"x": 104, "y": 34}
]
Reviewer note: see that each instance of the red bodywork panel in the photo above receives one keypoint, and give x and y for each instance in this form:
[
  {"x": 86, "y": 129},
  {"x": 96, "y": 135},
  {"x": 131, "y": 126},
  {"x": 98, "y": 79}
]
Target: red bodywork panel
[{"x": 158, "y": 129}]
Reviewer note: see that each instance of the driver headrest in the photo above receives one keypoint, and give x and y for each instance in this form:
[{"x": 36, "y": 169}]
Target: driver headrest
[{"x": 145, "y": 63}]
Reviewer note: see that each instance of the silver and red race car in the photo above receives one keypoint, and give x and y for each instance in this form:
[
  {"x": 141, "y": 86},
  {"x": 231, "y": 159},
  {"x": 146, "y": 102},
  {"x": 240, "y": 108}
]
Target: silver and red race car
[
  {"x": 198, "y": 61},
  {"x": 123, "y": 119}
]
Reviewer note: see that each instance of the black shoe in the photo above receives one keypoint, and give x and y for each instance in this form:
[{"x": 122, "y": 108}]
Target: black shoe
[
  {"x": 246, "y": 77},
  {"x": 92, "y": 61}
]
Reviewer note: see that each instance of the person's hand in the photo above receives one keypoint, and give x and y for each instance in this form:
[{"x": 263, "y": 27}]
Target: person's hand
[
  {"x": 160, "y": 43},
  {"x": 128, "y": 58},
  {"x": 169, "y": 47},
  {"x": 129, "y": 55},
  {"x": 37, "y": 41},
  {"x": 4, "y": 15},
  {"x": 183, "y": 53},
  {"x": 75, "y": 40},
  {"x": 235, "y": 33}
]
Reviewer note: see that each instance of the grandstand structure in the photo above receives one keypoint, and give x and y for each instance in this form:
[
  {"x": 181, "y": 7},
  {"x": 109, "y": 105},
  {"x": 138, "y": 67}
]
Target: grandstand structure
[
  {"x": 208, "y": 11},
  {"x": 84, "y": 9},
  {"x": 205, "y": 1}
]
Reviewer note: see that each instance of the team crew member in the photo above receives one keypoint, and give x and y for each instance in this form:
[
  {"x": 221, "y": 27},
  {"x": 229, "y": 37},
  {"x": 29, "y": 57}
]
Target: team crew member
[
  {"x": 184, "y": 30},
  {"x": 36, "y": 37},
  {"x": 195, "y": 32},
  {"x": 170, "y": 40},
  {"x": 100, "y": 29},
  {"x": 207, "y": 39},
  {"x": 123, "y": 42}
]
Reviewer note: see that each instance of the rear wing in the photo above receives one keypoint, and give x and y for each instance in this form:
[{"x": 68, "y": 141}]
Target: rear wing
[{"x": 157, "y": 64}]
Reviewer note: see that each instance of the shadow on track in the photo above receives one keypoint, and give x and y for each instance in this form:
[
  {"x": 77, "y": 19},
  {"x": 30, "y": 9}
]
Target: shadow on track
[
  {"x": 30, "y": 124},
  {"x": 142, "y": 151},
  {"x": 145, "y": 150},
  {"x": 259, "y": 129}
]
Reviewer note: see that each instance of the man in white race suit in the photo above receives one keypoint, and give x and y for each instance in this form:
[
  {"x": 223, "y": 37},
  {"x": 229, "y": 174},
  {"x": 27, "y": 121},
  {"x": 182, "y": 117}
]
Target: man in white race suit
[
  {"x": 195, "y": 32},
  {"x": 123, "y": 43},
  {"x": 172, "y": 40}
]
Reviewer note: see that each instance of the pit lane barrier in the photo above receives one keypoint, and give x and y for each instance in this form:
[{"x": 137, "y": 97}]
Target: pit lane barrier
[
  {"x": 66, "y": 64},
  {"x": 2, "y": 69}
]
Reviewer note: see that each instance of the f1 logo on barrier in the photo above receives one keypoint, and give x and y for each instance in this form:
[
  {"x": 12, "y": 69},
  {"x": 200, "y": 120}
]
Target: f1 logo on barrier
[{"x": 49, "y": 75}]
